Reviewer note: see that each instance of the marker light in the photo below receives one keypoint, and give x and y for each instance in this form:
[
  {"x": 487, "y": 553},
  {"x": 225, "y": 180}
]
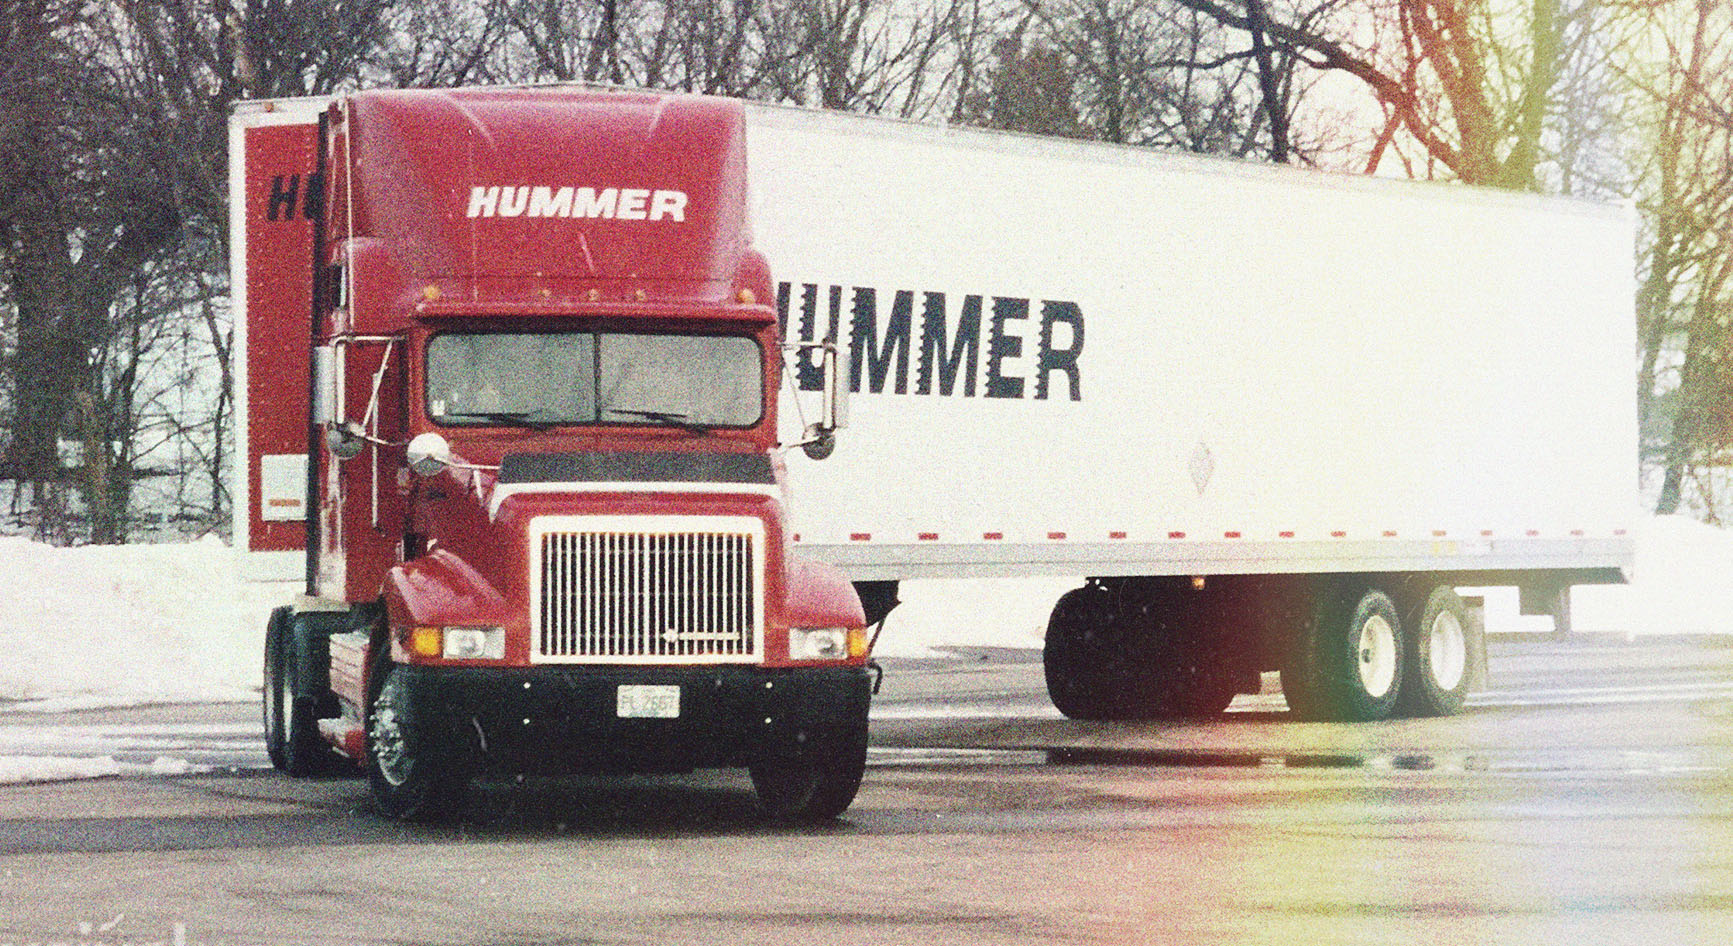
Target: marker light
[{"x": 425, "y": 641}]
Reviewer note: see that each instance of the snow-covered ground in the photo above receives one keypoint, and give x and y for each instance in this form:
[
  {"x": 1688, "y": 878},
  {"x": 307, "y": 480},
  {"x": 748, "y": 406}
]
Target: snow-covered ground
[{"x": 129, "y": 625}]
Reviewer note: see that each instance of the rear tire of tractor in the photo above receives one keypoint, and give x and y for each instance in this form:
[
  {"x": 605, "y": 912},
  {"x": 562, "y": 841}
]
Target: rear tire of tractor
[
  {"x": 411, "y": 777},
  {"x": 815, "y": 788},
  {"x": 1437, "y": 679},
  {"x": 1186, "y": 670},
  {"x": 292, "y": 737},
  {"x": 275, "y": 707}
]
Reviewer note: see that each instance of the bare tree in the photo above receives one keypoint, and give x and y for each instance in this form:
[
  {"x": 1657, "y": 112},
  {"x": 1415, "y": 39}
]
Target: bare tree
[
  {"x": 1466, "y": 90},
  {"x": 1144, "y": 72},
  {"x": 1685, "y": 296},
  {"x": 83, "y": 211},
  {"x": 443, "y": 43},
  {"x": 113, "y": 166}
]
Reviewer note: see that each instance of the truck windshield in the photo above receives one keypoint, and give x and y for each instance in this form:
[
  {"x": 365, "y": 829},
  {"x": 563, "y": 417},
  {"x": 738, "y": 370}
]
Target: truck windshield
[{"x": 545, "y": 379}]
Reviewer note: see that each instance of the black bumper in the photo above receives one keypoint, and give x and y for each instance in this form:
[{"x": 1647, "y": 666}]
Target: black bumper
[{"x": 551, "y": 720}]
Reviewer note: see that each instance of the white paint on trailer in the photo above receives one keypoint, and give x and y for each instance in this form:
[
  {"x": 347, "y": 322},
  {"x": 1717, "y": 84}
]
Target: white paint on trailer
[{"x": 1364, "y": 359}]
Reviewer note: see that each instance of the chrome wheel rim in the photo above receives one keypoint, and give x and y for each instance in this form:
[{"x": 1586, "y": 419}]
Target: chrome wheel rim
[{"x": 386, "y": 739}]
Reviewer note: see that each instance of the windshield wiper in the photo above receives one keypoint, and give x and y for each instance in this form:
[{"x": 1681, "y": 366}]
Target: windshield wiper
[
  {"x": 667, "y": 418},
  {"x": 509, "y": 418}
]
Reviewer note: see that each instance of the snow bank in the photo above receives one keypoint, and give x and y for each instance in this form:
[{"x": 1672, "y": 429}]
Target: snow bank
[
  {"x": 1683, "y": 584},
  {"x": 130, "y": 625},
  {"x": 127, "y": 625},
  {"x": 17, "y": 769},
  {"x": 970, "y": 612}
]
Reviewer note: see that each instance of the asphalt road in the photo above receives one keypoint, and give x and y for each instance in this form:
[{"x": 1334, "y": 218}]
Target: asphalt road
[{"x": 1584, "y": 799}]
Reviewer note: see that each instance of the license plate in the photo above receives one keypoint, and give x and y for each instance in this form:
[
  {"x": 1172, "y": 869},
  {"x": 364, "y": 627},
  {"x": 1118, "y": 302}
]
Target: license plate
[{"x": 644, "y": 701}]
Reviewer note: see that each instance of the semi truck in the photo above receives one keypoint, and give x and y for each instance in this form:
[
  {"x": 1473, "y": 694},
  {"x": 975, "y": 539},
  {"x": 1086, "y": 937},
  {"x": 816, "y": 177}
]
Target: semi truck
[{"x": 602, "y": 426}]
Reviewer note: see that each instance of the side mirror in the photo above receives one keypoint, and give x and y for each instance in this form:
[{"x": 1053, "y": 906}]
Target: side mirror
[
  {"x": 345, "y": 440},
  {"x": 428, "y": 453},
  {"x": 820, "y": 443},
  {"x": 833, "y": 409}
]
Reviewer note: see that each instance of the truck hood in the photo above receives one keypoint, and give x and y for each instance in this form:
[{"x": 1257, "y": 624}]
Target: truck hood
[{"x": 530, "y": 473}]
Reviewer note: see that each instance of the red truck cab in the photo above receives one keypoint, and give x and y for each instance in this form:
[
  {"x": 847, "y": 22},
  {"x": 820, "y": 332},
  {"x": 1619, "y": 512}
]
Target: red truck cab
[{"x": 547, "y": 527}]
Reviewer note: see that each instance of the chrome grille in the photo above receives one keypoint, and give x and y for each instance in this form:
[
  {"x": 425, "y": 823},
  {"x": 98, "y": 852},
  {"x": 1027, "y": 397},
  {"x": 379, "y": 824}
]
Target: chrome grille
[{"x": 634, "y": 595}]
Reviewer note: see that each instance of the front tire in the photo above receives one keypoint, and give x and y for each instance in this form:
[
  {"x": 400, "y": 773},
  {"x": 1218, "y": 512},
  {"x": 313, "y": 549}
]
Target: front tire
[
  {"x": 816, "y": 787},
  {"x": 412, "y": 777}
]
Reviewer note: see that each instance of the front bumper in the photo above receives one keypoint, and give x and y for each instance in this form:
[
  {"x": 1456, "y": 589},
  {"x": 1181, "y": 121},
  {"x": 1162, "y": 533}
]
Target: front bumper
[{"x": 554, "y": 720}]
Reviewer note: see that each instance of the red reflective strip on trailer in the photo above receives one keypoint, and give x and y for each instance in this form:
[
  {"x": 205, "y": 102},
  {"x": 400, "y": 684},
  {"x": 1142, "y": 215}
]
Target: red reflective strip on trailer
[
  {"x": 1230, "y": 535},
  {"x": 1439, "y": 533},
  {"x": 860, "y": 536},
  {"x": 1577, "y": 532},
  {"x": 1533, "y": 533},
  {"x": 1338, "y": 535},
  {"x": 929, "y": 537},
  {"x": 797, "y": 537},
  {"x": 1486, "y": 533},
  {"x": 1176, "y": 535},
  {"x": 1055, "y": 536},
  {"x": 1285, "y": 535},
  {"x": 1389, "y": 534},
  {"x": 1618, "y": 532},
  {"x": 993, "y": 536},
  {"x": 1116, "y": 535}
]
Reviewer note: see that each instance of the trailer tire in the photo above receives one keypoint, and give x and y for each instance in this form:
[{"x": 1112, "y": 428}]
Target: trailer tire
[
  {"x": 411, "y": 779},
  {"x": 1437, "y": 678},
  {"x": 817, "y": 787},
  {"x": 1350, "y": 667}
]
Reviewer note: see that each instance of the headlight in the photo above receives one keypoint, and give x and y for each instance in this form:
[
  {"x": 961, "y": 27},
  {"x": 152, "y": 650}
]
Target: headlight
[
  {"x": 826, "y": 643},
  {"x": 474, "y": 643}
]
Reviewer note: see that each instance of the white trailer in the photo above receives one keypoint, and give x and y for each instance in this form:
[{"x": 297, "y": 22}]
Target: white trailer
[{"x": 1276, "y": 414}]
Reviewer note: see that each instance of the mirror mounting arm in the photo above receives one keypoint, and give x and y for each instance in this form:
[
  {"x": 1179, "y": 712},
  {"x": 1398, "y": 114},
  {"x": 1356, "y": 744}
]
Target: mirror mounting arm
[{"x": 819, "y": 438}]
